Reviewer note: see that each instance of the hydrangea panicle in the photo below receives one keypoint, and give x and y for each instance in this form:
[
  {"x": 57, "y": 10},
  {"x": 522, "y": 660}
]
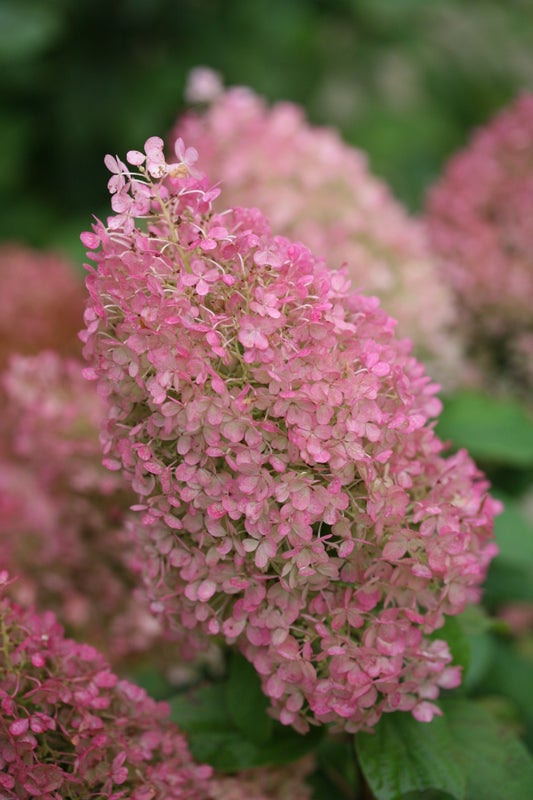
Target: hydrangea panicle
[
  {"x": 294, "y": 499},
  {"x": 479, "y": 219},
  {"x": 70, "y": 728}
]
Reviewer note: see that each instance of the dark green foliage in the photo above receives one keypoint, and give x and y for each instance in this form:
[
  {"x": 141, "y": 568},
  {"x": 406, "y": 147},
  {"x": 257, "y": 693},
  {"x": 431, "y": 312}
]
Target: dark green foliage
[
  {"x": 465, "y": 755},
  {"x": 495, "y": 763},
  {"x": 492, "y": 430},
  {"x": 228, "y": 727},
  {"x": 419, "y": 758},
  {"x": 246, "y": 702}
]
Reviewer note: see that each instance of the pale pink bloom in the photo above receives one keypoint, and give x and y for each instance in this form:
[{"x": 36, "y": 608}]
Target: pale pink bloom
[
  {"x": 479, "y": 219},
  {"x": 293, "y": 496},
  {"x": 316, "y": 189}
]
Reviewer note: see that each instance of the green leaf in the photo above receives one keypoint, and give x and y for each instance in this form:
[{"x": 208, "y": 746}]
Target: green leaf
[
  {"x": 453, "y": 633},
  {"x": 215, "y": 738},
  {"x": 514, "y": 534},
  {"x": 226, "y": 751},
  {"x": 286, "y": 745},
  {"x": 153, "y": 681},
  {"x": 508, "y": 583},
  {"x": 490, "y": 428},
  {"x": 427, "y": 794},
  {"x": 511, "y": 675},
  {"x": 246, "y": 702},
  {"x": 496, "y": 763},
  {"x": 323, "y": 788},
  {"x": 337, "y": 763},
  {"x": 201, "y": 710},
  {"x": 481, "y": 653},
  {"x": 470, "y": 643},
  {"x": 405, "y": 758}
]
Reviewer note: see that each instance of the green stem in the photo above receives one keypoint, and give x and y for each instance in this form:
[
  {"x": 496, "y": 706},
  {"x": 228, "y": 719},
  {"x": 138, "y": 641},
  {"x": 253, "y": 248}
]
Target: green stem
[{"x": 5, "y": 644}]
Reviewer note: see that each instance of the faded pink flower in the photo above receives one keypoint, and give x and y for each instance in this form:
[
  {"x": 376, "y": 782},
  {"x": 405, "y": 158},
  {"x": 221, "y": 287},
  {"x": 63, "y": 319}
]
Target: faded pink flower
[
  {"x": 479, "y": 219},
  {"x": 41, "y": 303},
  {"x": 293, "y": 497},
  {"x": 69, "y": 728},
  {"x": 62, "y": 514},
  {"x": 518, "y": 615},
  {"x": 315, "y": 188}
]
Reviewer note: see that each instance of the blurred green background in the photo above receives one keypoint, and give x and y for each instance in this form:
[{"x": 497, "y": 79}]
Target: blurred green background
[{"x": 404, "y": 79}]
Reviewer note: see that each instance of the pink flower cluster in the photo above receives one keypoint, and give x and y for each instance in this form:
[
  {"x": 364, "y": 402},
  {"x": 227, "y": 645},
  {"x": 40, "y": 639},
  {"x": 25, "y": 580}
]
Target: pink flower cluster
[
  {"x": 69, "y": 728},
  {"x": 479, "y": 219},
  {"x": 41, "y": 303},
  {"x": 315, "y": 188},
  {"x": 62, "y": 514},
  {"x": 293, "y": 496}
]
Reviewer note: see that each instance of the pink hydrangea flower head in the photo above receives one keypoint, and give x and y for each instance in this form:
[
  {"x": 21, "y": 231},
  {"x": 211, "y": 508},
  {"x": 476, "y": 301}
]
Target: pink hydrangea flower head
[
  {"x": 41, "y": 302},
  {"x": 316, "y": 189},
  {"x": 294, "y": 499},
  {"x": 69, "y": 728},
  {"x": 63, "y": 515},
  {"x": 479, "y": 219}
]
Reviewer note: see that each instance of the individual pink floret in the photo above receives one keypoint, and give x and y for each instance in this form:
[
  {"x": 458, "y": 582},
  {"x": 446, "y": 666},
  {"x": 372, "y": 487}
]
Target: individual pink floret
[
  {"x": 294, "y": 500},
  {"x": 69, "y": 728},
  {"x": 315, "y": 188},
  {"x": 479, "y": 218}
]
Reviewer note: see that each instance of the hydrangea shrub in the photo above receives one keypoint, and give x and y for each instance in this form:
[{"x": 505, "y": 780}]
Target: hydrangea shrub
[
  {"x": 315, "y": 188},
  {"x": 479, "y": 219},
  {"x": 294, "y": 499}
]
